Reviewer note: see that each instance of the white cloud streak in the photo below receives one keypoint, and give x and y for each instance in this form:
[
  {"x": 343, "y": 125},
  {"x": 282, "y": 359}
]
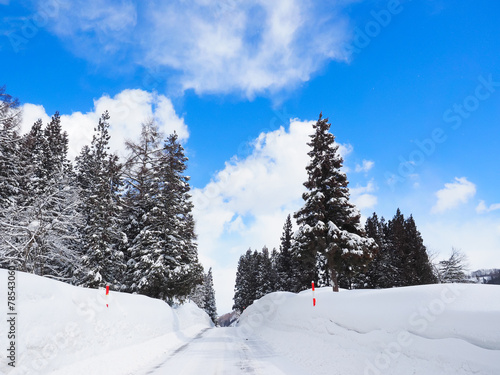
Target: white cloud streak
[
  {"x": 233, "y": 46},
  {"x": 128, "y": 110},
  {"x": 365, "y": 166},
  {"x": 454, "y": 193},
  {"x": 361, "y": 197},
  {"x": 483, "y": 208}
]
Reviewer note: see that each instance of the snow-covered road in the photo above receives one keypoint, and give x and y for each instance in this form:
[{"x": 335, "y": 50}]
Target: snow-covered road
[{"x": 224, "y": 351}]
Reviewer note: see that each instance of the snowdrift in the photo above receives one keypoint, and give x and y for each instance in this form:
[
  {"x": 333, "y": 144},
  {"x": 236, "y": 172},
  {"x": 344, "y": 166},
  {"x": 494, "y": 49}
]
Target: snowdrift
[
  {"x": 62, "y": 329},
  {"x": 432, "y": 329}
]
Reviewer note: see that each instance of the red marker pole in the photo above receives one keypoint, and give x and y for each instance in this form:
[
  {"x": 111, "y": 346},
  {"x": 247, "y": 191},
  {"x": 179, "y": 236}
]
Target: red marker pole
[
  {"x": 314, "y": 299},
  {"x": 107, "y": 293}
]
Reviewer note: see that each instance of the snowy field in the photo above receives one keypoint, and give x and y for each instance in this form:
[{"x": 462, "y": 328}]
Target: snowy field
[{"x": 436, "y": 329}]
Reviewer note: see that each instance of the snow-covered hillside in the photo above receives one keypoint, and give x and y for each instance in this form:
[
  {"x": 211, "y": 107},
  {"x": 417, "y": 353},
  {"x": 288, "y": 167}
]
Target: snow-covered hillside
[
  {"x": 63, "y": 329},
  {"x": 435, "y": 329}
]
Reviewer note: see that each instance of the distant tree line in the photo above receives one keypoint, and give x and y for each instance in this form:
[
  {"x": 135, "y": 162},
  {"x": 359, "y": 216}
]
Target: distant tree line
[
  {"x": 100, "y": 221},
  {"x": 332, "y": 248}
]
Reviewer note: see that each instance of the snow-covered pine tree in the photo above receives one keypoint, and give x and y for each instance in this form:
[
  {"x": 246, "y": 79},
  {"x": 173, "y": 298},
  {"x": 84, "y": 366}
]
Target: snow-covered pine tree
[
  {"x": 34, "y": 179},
  {"x": 453, "y": 269},
  {"x": 209, "y": 296},
  {"x": 203, "y": 295},
  {"x": 407, "y": 262},
  {"x": 396, "y": 244},
  {"x": 275, "y": 254},
  {"x": 245, "y": 289},
  {"x": 265, "y": 274},
  {"x": 51, "y": 198},
  {"x": 41, "y": 225},
  {"x": 329, "y": 232},
  {"x": 141, "y": 180},
  {"x": 10, "y": 118},
  {"x": 418, "y": 268},
  {"x": 380, "y": 268},
  {"x": 99, "y": 182},
  {"x": 163, "y": 257},
  {"x": 185, "y": 271},
  {"x": 285, "y": 262},
  {"x": 10, "y": 184}
]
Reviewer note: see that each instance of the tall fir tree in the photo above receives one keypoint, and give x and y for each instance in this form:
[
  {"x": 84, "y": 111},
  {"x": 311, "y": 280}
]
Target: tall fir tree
[
  {"x": 42, "y": 221},
  {"x": 10, "y": 182},
  {"x": 331, "y": 245},
  {"x": 418, "y": 269},
  {"x": 99, "y": 182},
  {"x": 246, "y": 285},
  {"x": 163, "y": 257},
  {"x": 381, "y": 269},
  {"x": 402, "y": 258},
  {"x": 285, "y": 263},
  {"x": 10, "y": 167},
  {"x": 203, "y": 295},
  {"x": 186, "y": 271},
  {"x": 396, "y": 244},
  {"x": 265, "y": 273},
  {"x": 209, "y": 296}
]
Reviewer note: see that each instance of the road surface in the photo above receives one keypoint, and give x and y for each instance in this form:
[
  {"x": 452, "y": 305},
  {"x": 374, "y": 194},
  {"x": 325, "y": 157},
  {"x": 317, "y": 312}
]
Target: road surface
[{"x": 223, "y": 351}]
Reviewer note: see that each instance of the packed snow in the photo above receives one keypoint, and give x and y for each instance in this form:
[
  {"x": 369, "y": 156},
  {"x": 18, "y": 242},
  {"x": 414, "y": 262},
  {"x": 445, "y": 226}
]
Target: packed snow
[
  {"x": 435, "y": 329},
  {"x": 67, "y": 330}
]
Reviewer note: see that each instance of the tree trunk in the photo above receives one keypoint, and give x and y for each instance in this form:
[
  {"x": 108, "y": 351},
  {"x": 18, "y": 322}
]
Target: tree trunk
[{"x": 334, "y": 279}]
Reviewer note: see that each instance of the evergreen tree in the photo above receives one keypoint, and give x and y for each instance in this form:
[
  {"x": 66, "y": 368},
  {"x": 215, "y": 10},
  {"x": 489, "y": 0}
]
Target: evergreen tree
[
  {"x": 10, "y": 167},
  {"x": 141, "y": 178},
  {"x": 186, "y": 271},
  {"x": 51, "y": 201},
  {"x": 246, "y": 281},
  {"x": 209, "y": 296},
  {"x": 405, "y": 258},
  {"x": 331, "y": 245},
  {"x": 265, "y": 273},
  {"x": 163, "y": 258},
  {"x": 273, "y": 277},
  {"x": 381, "y": 269},
  {"x": 39, "y": 223},
  {"x": 396, "y": 247},
  {"x": 34, "y": 179},
  {"x": 285, "y": 264},
  {"x": 418, "y": 269},
  {"x": 203, "y": 295},
  {"x": 99, "y": 182}
]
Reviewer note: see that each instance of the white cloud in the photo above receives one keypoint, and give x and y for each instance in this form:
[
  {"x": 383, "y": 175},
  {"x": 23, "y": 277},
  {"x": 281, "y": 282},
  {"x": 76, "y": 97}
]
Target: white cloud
[
  {"x": 361, "y": 197},
  {"x": 128, "y": 110},
  {"x": 365, "y": 166},
  {"x": 87, "y": 24},
  {"x": 454, "y": 194},
  {"x": 249, "y": 47},
  {"x": 483, "y": 208}
]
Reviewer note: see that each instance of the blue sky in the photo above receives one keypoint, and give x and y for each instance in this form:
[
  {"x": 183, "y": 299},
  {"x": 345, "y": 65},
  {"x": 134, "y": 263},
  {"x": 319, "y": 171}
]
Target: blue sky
[{"x": 412, "y": 89}]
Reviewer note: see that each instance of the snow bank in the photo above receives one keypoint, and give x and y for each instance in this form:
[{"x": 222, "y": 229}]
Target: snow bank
[
  {"x": 63, "y": 329},
  {"x": 432, "y": 329}
]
